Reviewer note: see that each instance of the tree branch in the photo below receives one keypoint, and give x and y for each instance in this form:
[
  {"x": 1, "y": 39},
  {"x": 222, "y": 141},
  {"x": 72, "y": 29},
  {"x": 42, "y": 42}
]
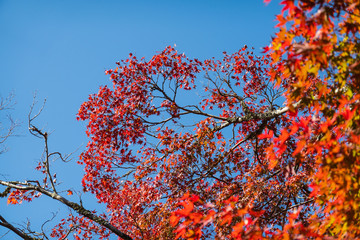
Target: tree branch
[
  {"x": 11, "y": 227},
  {"x": 79, "y": 209}
]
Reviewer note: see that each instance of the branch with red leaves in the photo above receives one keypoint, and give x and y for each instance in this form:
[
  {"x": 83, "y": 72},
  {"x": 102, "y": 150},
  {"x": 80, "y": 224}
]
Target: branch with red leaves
[
  {"x": 31, "y": 189},
  {"x": 26, "y": 186}
]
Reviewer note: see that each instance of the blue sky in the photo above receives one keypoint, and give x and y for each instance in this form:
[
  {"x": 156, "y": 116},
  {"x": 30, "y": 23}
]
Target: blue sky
[{"x": 60, "y": 49}]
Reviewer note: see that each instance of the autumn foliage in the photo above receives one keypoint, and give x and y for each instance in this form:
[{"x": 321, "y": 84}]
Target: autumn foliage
[
  {"x": 244, "y": 147},
  {"x": 320, "y": 39},
  {"x": 202, "y": 153}
]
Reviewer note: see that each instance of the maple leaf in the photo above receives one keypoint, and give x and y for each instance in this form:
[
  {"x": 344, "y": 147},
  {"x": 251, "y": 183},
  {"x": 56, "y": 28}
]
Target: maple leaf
[
  {"x": 265, "y": 135},
  {"x": 12, "y": 201}
]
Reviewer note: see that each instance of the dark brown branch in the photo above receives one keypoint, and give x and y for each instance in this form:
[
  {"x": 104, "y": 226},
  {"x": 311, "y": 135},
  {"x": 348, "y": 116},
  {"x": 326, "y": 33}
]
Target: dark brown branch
[
  {"x": 5, "y": 192},
  {"x": 11, "y": 227},
  {"x": 79, "y": 209},
  {"x": 35, "y": 131}
]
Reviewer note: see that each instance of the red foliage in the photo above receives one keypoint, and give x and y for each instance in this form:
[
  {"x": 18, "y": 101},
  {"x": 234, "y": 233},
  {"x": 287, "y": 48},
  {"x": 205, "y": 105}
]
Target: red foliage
[
  {"x": 317, "y": 40},
  {"x": 245, "y": 147},
  {"x": 202, "y": 154}
]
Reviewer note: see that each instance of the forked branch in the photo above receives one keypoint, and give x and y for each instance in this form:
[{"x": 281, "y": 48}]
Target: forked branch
[{"x": 78, "y": 208}]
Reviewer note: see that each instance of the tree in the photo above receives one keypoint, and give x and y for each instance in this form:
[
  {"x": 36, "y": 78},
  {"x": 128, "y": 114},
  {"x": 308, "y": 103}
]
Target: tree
[
  {"x": 179, "y": 152},
  {"x": 246, "y": 147},
  {"x": 320, "y": 40},
  {"x": 208, "y": 151}
]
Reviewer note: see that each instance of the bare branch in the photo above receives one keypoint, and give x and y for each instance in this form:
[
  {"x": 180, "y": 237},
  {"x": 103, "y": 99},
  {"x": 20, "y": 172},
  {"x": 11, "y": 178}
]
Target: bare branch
[
  {"x": 11, "y": 227},
  {"x": 30, "y": 117},
  {"x": 5, "y": 103}
]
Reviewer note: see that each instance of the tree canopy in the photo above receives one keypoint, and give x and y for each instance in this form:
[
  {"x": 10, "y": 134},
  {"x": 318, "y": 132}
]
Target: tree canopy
[{"x": 243, "y": 147}]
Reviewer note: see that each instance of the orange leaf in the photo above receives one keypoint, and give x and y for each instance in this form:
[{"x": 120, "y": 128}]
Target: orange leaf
[
  {"x": 188, "y": 207},
  {"x": 299, "y": 146},
  {"x": 174, "y": 220},
  {"x": 12, "y": 201},
  {"x": 268, "y": 134},
  {"x": 272, "y": 164}
]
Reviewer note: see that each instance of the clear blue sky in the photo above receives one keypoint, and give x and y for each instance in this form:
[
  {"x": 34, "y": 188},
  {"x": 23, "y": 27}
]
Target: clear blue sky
[{"x": 62, "y": 48}]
